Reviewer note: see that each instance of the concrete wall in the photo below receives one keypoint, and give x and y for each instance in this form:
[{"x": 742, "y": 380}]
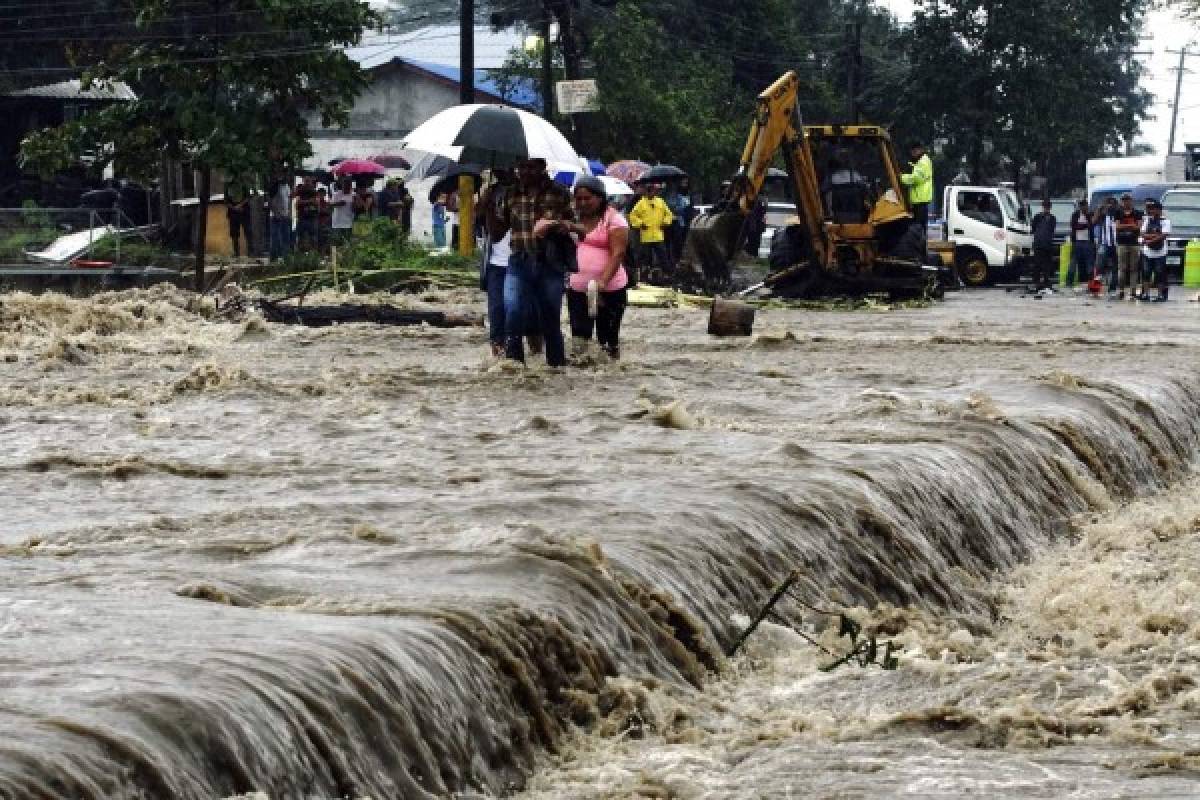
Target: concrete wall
[{"x": 399, "y": 99}]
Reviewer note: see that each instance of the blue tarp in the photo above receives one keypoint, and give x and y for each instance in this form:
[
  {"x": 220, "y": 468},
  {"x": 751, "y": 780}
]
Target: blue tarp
[{"x": 524, "y": 93}]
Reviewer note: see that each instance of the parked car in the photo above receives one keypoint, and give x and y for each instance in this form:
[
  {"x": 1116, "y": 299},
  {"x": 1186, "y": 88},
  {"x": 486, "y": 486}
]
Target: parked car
[
  {"x": 1182, "y": 207},
  {"x": 1062, "y": 208}
]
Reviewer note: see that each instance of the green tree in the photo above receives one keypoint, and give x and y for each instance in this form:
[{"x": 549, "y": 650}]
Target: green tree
[
  {"x": 1004, "y": 89},
  {"x": 225, "y": 86},
  {"x": 678, "y": 78}
]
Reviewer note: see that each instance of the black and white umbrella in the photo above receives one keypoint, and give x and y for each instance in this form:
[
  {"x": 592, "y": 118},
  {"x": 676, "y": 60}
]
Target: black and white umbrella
[{"x": 494, "y": 136}]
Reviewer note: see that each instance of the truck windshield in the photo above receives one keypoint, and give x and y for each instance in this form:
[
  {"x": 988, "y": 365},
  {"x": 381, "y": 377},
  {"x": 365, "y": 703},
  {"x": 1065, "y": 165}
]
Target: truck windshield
[
  {"x": 1183, "y": 217},
  {"x": 1013, "y": 210}
]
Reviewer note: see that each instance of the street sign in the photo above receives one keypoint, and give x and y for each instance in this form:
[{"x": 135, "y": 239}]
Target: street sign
[{"x": 576, "y": 97}]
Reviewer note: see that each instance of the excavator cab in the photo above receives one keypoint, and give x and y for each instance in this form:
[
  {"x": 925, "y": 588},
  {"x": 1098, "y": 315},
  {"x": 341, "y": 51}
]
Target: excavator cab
[{"x": 852, "y": 233}]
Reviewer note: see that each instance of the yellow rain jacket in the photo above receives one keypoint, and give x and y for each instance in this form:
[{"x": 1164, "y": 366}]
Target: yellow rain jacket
[
  {"x": 920, "y": 181},
  {"x": 650, "y": 216}
]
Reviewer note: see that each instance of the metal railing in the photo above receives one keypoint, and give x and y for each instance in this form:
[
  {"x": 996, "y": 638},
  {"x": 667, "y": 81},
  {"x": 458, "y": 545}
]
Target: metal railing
[{"x": 63, "y": 237}]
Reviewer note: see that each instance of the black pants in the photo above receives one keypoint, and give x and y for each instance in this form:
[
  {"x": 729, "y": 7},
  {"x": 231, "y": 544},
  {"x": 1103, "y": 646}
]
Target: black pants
[
  {"x": 1043, "y": 267},
  {"x": 655, "y": 256},
  {"x": 608, "y": 317},
  {"x": 920, "y": 212}
]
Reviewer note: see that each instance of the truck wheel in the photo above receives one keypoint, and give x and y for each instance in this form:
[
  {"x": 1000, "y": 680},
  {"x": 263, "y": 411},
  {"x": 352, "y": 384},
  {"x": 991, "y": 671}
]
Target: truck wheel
[
  {"x": 911, "y": 246},
  {"x": 789, "y": 246},
  {"x": 973, "y": 268}
]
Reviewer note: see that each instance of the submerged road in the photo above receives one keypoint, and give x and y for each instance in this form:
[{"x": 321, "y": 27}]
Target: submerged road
[{"x": 371, "y": 562}]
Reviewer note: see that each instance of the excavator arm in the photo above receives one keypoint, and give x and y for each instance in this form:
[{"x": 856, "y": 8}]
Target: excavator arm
[{"x": 715, "y": 236}]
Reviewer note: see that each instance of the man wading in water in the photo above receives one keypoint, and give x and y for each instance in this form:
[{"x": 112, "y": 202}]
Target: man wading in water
[{"x": 529, "y": 281}]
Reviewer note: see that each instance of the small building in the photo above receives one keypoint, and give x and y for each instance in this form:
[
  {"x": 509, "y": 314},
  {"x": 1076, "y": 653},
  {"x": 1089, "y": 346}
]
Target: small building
[
  {"x": 23, "y": 111},
  {"x": 410, "y": 81}
]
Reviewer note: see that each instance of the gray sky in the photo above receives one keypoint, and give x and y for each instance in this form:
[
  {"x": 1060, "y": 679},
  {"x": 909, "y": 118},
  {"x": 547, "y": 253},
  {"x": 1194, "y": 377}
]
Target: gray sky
[{"x": 1166, "y": 31}]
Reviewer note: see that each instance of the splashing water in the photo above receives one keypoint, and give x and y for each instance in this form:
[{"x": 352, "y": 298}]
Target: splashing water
[{"x": 362, "y": 562}]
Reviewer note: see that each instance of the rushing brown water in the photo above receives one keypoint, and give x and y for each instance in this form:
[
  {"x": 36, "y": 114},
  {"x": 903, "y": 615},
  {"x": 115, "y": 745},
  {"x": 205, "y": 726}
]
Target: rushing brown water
[{"x": 369, "y": 562}]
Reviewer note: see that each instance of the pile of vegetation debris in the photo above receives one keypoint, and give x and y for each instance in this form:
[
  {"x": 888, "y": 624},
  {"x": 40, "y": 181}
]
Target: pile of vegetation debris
[{"x": 381, "y": 260}]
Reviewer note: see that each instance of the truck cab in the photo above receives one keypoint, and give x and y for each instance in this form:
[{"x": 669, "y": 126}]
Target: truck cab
[
  {"x": 986, "y": 233},
  {"x": 1182, "y": 207}
]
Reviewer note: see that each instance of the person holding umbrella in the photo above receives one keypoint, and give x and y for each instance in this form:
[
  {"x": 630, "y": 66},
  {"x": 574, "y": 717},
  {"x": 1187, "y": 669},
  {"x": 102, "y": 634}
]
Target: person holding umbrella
[{"x": 537, "y": 210}]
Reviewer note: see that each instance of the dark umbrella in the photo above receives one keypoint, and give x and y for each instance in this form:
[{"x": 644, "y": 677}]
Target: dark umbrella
[
  {"x": 322, "y": 175},
  {"x": 663, "y": 172},
  {"x": 432, "y": 165},
  {"x": 391, "y": 161},
  {"x": 449, "y": 183}
]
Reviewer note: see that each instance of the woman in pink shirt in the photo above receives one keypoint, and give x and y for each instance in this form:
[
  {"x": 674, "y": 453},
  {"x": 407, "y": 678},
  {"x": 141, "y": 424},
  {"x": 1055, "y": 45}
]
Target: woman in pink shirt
[{"x": 603, "y": 237}]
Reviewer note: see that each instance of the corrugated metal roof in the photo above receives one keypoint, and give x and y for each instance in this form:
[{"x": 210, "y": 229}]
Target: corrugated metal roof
[
  {"x": 438, "y": 44},
  {"x": 73, "y": 90},
  {"x": 523, "y": 94}
]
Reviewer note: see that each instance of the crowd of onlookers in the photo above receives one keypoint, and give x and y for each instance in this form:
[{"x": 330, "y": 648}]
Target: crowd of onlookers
[
  {"x": 310, "y": 217},
  {"x": 1117, "y": 244}
]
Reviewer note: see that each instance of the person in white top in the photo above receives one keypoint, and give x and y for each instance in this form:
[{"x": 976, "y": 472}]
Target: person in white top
[
  {"x": 342, "y": 204},
  {"x": 1155, "y": 228}
]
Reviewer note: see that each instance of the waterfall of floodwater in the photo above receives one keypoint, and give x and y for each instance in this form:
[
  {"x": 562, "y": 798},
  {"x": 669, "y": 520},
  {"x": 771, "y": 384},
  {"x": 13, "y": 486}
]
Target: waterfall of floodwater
[{"x": 351, "y": 562}]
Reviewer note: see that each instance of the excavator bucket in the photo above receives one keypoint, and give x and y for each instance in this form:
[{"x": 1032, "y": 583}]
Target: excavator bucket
[{"x": 712, "y": 235}]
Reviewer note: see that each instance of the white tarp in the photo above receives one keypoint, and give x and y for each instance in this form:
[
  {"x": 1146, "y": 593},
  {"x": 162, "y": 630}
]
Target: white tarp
[{"x": 72, "y": 245}]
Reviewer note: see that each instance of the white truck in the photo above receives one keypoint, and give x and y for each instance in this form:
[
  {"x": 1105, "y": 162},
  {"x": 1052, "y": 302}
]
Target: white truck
[
  {"x": 1120, "y": 175},
  {"x": 985, "y": 233}
]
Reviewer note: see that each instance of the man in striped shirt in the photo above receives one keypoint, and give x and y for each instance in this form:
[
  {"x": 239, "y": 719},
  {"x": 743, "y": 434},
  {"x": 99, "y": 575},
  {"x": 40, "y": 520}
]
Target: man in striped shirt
[{"x": 1105, "y": 232}]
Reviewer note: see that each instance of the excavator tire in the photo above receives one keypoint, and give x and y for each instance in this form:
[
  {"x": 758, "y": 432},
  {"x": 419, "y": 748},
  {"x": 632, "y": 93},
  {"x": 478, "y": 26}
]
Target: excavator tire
[
  {"x": 911, "y": 246},
  {"x": 789, "y": 246}
]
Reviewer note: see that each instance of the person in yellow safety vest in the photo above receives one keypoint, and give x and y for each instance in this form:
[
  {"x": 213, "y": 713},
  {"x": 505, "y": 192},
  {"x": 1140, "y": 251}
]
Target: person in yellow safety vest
[
  {"x": 651, "y": 216},
  {"x": 920, "y": 184}
]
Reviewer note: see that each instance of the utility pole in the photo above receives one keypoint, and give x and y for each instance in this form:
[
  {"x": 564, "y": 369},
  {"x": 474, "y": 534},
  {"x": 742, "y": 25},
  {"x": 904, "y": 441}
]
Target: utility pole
[
  {"x": 547, "y": 65},
  {"x": 466, "y": 52},
  {"x": 853, "y": 69},
  {"x": 1183, "y": 54},
  {"x": 1129, "y": 56}
]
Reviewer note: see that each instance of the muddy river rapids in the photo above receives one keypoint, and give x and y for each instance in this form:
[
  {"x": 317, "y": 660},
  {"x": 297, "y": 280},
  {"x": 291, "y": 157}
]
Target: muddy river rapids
[{"x": 251, "y": 560}]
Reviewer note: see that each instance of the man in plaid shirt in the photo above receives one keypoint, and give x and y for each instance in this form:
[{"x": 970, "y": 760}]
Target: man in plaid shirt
[{"x": 531, "y": 286}]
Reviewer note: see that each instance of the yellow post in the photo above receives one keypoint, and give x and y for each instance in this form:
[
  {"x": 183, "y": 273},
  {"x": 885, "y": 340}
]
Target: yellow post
[
  {"x": 1191, "y": 264},
  {"x": 466, "y": 215},
  {"x": 1064, "y": 262}
]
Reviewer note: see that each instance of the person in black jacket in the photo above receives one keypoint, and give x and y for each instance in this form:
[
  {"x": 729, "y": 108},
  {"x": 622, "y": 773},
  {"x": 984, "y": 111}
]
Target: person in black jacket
[
  {"x": 1043, "y": 246},
  {"x": 1083, "y": 244}
]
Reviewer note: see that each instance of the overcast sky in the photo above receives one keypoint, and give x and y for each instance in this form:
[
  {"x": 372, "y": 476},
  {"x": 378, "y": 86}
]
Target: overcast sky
[{"x": 1165, "y": 31}]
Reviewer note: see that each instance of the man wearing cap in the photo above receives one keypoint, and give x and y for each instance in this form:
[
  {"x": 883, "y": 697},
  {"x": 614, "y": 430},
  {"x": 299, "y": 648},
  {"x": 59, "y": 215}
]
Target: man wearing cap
[
  {"x": 1129, "y": 229},
  {"x": 537, "y": 207},
  {"x": 1155, "y": 228}
]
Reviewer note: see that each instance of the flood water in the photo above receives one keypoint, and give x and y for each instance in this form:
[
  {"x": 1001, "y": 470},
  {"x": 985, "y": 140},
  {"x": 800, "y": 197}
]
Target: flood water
[{"x": 366, "y": 562}]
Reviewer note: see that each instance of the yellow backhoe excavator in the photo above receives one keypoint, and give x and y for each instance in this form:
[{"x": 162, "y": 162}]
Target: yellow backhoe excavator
[{"x": 852, "y": 234}]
